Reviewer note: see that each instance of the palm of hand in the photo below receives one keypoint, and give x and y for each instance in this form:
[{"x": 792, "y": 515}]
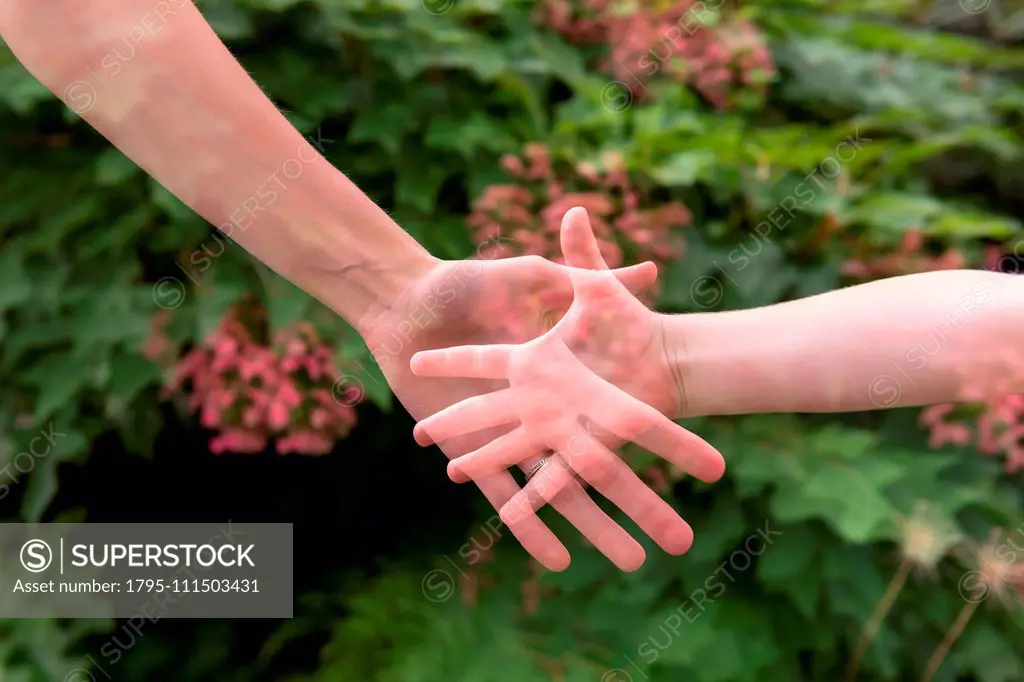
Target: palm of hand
[
  {"x": 553, "y": 388},
  {"x": 619, "y": 339},
  {"x": 486, "y": 302}
]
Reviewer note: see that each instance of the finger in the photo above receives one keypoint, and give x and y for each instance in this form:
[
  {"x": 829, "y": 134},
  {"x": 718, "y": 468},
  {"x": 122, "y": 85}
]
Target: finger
[
  {"x": 579, "y": 245},
  {"x": 469, "y": 362},
  {"x": 469, "y": 415},
  {"x": 500, "y": 454},
  {"x": 637, "y": 278},
  {"x": 613, "y": 478},
  {"x": 575, "y": 505},
  {"x": 640, "y": 423},
  {"x": 532, "y": 533},
  {"x": 546, "y": 485}
]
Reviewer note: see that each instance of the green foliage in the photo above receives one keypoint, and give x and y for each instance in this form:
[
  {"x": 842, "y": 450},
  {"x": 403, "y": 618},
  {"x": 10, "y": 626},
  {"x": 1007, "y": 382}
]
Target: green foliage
[{"x": 421, "y": 104}]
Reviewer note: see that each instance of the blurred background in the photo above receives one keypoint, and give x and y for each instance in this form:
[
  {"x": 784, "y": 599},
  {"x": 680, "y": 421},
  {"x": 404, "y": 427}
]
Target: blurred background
[{"x": 758, "y": 150}]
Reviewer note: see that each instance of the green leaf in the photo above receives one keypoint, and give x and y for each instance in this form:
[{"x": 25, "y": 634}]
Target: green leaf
[
  {"x": 214, "y": 302},
  {"x": 685, "y": 169},
  {"x": 172, "y": 206},
  {"x": 42, "y": 487},
  {"x": 15, "y": 287},
  {"x": 228, "y": 19},
  {"x": 841, "y": 496},
  {"x": 419, "y": 186},
  {"x": 114, "y": 168},
  {"x": 361, "y": 371},
  {"x": 285, "y": 303},
  {"x": 59, "y": 376},
  {"x": 130, "y": 373},
  {"x": 895, "y": 211},
  {"x": 789, "y": 557},
  {"x": 386, "y": 127},
  {"x": 468, "y": 135},
  {"x": 973, "y": 225},
  {"x": 990, "y": 654}
]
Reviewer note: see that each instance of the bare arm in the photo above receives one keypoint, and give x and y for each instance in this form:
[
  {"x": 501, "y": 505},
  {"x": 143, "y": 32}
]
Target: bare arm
[
  {"x": 911, "y": 340},
  {"x": 155, "y": 80}
]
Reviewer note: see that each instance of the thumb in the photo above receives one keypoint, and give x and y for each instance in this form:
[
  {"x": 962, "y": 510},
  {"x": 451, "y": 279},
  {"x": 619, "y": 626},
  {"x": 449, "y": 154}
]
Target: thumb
[{"x": 579, "y": 245}]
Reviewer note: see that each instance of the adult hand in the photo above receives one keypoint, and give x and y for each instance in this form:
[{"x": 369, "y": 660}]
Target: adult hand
[
  {"x": 563, "y": 406},
  {"x": 488, "y": 301}
]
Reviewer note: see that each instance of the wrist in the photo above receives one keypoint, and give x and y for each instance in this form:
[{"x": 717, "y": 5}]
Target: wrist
[
  {"x": 675, "y": 363},
  {"x": 706, "y": 361},
  {"x": 363, "y": 290}
]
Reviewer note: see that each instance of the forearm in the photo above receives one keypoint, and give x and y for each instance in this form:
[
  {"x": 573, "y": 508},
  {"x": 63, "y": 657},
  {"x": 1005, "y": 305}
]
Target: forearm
[
  {"x": 911, "y": 340},
  {"x": 156, "y": 81}
]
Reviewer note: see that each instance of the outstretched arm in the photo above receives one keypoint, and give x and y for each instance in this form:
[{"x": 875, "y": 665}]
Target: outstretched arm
[
  {"x": 905, "y": 341},
  {"x": 910, "y": 340},
  {"x": 155, "y": 80}
]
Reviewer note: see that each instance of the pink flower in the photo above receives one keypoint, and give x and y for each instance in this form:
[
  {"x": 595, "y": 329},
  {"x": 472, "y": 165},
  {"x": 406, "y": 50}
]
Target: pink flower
[
  {"x": 278, "y": 415},
  {"x": 237, "y": 440},
  {"x": 305, "y": 442},
  {"x": 530, "y": 212},
  {"x": 262, "y": 397}
]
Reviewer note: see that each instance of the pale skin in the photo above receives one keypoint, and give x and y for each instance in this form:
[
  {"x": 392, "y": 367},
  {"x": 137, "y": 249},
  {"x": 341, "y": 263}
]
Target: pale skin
[
  {"x": 154, "y": 79},
  {"x": 906, "y": 341}
]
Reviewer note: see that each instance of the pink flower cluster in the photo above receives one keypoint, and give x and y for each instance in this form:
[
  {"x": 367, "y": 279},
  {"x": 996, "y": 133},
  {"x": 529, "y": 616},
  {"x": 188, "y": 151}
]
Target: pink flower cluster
[
  {"x": 529, "y": 210},
  {"x": 672, "y": 37},
  {"x": 909, "y": 259},
  {"x": 999, "y": 412},
  {"x": 251, "y": 393},
  {"x": 998, "y": 429}
]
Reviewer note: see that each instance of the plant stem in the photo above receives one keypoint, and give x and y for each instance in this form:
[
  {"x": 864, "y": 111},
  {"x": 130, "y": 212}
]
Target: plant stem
[
  {"x": 881, "y": 609},
  {"x": 947, "y": 642}
]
